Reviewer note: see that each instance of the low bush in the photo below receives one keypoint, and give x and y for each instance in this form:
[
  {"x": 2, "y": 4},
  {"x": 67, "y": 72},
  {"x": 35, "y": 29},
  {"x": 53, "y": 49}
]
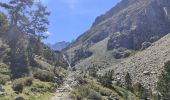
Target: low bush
[
  {"x": 80, "y": 93},
  {"x": 4, "y": 79},
  {"x": 106, "y": 79},
  {"x": 44, "y": 75},
  {"x": 81, "y": 79},
  {"x": 28, "y": 81},
  {"x": 105, "y": 91},
  {"x": 93, "y": 95},
  {"x": 118, "y": 54},
  {"x": 93, "y": 70},
  {"x": 43, "y": 87},
  {"x": 74, "y": 69},
  {"x": 140, "y": 91},
  {"x": 102, "y": 90},
  {"x": 19, "y": 84}
]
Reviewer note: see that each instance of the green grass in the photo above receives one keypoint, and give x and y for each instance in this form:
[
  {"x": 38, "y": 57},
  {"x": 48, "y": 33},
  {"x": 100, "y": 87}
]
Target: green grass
[{"x": 41, "y": 92}]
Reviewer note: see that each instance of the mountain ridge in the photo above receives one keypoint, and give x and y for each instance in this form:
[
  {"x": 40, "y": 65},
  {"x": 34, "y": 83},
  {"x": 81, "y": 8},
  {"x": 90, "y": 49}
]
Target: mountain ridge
[
  {"x": 129, "y": 20},
  {"x": 59, "y": 46}
]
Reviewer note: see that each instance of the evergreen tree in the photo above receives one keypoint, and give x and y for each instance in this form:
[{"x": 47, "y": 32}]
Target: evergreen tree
[
  {"x": 106, "y": 79},
  {"x": 27, "y": 19},
  {"x": 27, "y": 16},
  {"x": 164, "y": 82},
  {"x": 93, "y": 70},
  {"x": 128, "y": 82},
  {"x": 140, "y": 91}
]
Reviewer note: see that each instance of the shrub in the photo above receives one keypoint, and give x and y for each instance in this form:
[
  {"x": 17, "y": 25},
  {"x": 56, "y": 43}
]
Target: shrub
[
  {"x": 4, "y": 79},
  {"x": 118, "y": 54},
  {"x": 93, "y": 70},
  {"x": 18, "y": 84},
  {"x": 102, "y": 90},
  {"x": 28, "y": 81},
  {"x": 105, "y": 91},
  {"x": 19, "y": 98},
  {"x": 93, "y": 95},
  {"x": 140, "y": 91},
  {"x": 44, "y": 75},
  {"x": 74, "y": 69},
  {"x": 106, "y": 79},
  {"x": 81, "y": 79},
  {"x": 43, "y": 87},
  {"x": 80, "y": 92}
]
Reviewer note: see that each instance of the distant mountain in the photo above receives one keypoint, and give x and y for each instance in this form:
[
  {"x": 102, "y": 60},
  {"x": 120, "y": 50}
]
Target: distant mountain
[{"x": 59, "y": 45}]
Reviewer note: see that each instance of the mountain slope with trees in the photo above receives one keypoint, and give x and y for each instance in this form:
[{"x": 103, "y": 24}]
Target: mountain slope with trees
[{"x": 26, "y": 63}]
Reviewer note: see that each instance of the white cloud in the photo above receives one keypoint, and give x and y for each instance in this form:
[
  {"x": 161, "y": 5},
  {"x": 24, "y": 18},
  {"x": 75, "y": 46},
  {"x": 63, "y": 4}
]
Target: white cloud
[
  {"x": 71, "y": 3},
  {"x": 48, "y": 33}
]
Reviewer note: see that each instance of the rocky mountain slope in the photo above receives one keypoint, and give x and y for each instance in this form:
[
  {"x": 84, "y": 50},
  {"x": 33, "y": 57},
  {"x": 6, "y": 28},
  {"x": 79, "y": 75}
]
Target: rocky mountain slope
[{"x": 145, "y": 66}]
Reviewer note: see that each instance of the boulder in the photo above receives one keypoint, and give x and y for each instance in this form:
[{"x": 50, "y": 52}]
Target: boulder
[
  {"x": 19, "y": 98},
  {"x": 1, "y": 88},
  {"x": 146, "y": 73},
  {"x": 3, "y": 94},
  {"x": 145, "y": 45}
]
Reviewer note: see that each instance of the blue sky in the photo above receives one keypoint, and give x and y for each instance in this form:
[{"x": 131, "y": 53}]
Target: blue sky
[{"x": 70, "y": 18}]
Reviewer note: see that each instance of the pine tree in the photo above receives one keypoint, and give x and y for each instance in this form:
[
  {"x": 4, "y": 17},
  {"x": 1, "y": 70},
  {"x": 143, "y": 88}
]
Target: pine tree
[
  {"x": 106, "y": 79},
  {"x": 128, "y": 82},
  {"x": 26, "y": 19},
  {"x": 27, "y": 16},
  {"x": 164, "y": 82},
  {"x": 93, "y": 70}
]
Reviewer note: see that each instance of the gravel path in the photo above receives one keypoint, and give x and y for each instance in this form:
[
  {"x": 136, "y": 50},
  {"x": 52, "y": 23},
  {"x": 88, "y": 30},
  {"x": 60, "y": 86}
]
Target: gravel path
[{"x": 63, "y": 92}]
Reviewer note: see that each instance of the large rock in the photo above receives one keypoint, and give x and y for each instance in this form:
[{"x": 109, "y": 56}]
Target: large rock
[{"x": 19, "y": 98}]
